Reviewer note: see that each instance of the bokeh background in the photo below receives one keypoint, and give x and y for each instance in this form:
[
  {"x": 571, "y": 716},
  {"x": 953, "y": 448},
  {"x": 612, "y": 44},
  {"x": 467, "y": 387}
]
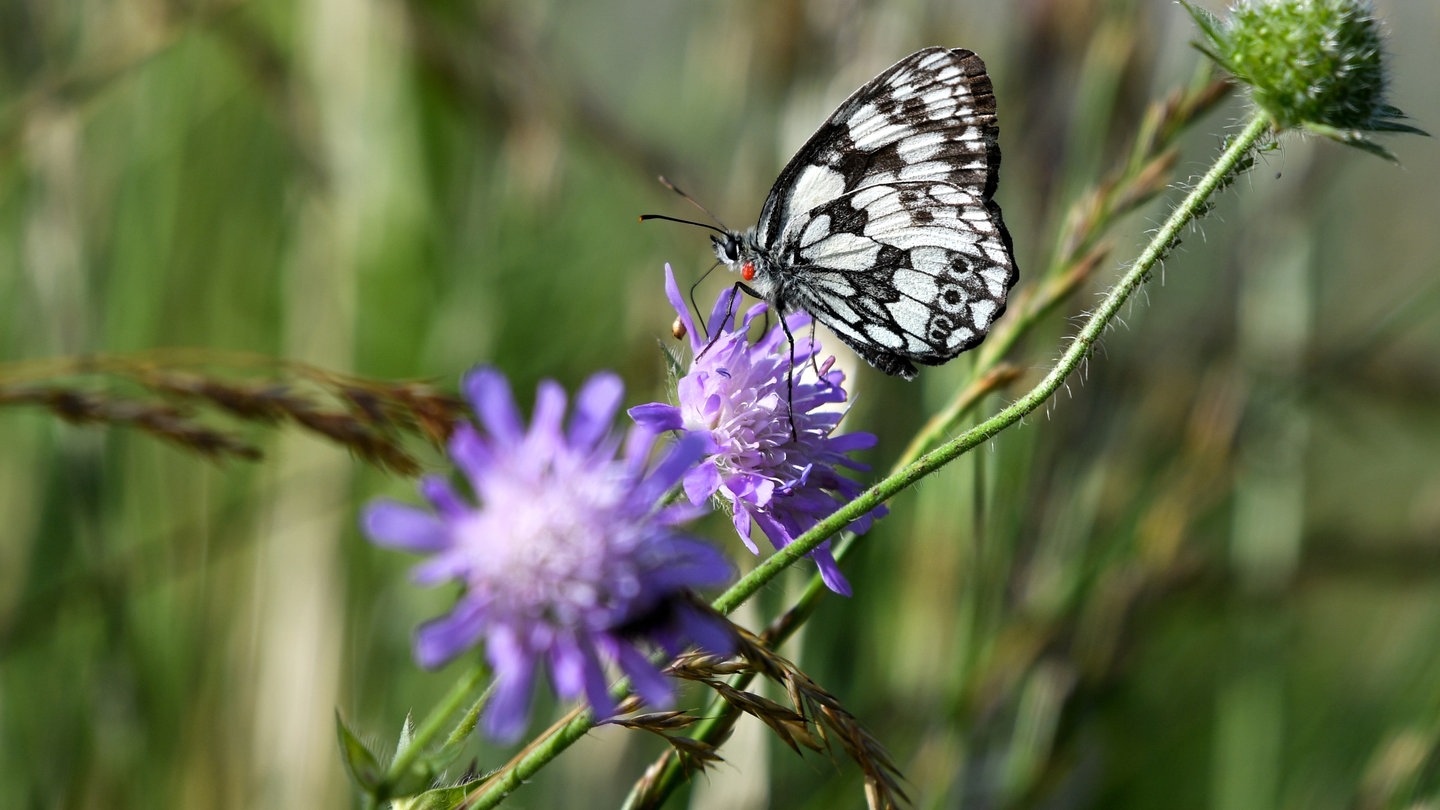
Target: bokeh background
[{"x": 1206, "y": 576}]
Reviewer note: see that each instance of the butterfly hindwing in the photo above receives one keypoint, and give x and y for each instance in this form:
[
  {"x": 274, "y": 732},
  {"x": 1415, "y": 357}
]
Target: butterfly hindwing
[{"x": 915, "y": 270}]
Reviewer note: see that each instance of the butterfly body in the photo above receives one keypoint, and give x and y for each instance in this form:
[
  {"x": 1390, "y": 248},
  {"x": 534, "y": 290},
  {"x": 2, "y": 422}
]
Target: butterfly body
[{"x": 883, "y": 225}]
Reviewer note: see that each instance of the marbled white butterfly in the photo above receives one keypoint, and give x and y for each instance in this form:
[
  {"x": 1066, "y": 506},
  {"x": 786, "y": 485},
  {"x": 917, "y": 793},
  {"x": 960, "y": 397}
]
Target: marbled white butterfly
[{"x": 883, "y": 225}]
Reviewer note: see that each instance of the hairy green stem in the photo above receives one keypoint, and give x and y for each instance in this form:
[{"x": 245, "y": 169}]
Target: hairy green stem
[
  {"x": 438, "y": 720},
  {"x": 1189, "y": 209},
  {"x": 1194, "y": 204},
  {"x": 561, "y": 736}
]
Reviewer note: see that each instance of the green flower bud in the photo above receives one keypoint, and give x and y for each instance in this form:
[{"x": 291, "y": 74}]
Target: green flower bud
[{"x": 1317, "y": 65}]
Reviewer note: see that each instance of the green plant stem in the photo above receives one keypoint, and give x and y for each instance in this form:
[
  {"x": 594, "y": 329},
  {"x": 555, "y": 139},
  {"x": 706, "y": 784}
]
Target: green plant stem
[
  {"x": 1194, "y": 204},
  {"x": 1079, "y": 251},
  {"x": 438, "y": 720},
  {"x": 1191, "y": 207},
  {"x": 504, "y": 782}
]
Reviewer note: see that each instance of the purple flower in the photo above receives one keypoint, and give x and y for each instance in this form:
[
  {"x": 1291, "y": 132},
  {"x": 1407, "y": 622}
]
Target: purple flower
[
  {"x": 571, "y": 557},
  {"x": 736, "y": 397}
]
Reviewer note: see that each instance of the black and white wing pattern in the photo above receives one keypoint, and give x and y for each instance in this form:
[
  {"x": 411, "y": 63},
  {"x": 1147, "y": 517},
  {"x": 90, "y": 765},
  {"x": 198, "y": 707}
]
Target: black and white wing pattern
[{"x": 883, "y": 226}]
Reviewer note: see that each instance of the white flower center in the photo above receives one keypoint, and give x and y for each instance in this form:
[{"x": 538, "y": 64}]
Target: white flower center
[{"x": 552, "y": 544}]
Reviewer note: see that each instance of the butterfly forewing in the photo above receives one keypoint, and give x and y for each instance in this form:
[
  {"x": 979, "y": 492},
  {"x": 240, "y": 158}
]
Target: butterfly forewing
[{"x": 931, "y": 116}]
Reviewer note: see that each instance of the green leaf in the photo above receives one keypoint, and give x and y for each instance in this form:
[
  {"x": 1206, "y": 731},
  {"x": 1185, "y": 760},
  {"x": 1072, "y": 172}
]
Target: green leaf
[
  {"x": 407, "y": 734},
  {"x": 441, "y": 758},
  {"x": 417, "y": 778},
  {"x": 360, "y": 762},
  {"x": 420, "y": 773},
  {"x": 1382, "y": 125},
  {"x": 1388, "y": 120},
  {"x": 1212, "y": 30},
  {"x": 443, "y": 798},
  {"x": 1350, "y": 137},
  {"x": 1210, "y": 25},
  {"x": 1215, "y": 57}
]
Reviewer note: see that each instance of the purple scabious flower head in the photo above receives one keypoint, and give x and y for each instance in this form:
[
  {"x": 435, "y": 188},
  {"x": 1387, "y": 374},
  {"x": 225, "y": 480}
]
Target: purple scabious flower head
[
  {"x": 735, "y": 396},
  {"x": 567, "y": 554}
]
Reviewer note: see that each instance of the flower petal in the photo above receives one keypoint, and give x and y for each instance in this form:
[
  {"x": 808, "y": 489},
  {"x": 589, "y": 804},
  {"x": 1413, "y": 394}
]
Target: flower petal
[
  {"x": 592, "y": 676},
  {"x": 657, "y": 416},
  {"x": 830, "y": 570},
  {"x": 848, "y": 442},
  {"x": 723, "y": 310},
  {"x": 702, "y": 482},
  {"x": 669, "y": 471},
  {"x": 562, "y": 545},
  {"x": 441, "y": 568},
  {"x": 754, "y": 312},
  {"x": 545, "y": 421},
  {"x": 509, "y": 709},
  {"x": 441, "y": 639},
  {"x": 467, "y": 449},
  {"x": 395, "y": 525},
  {"x": 690, "y": 564},
  {"x": 567, "y": 668},
  {"x": 636, "y": 453},
  {"x": 489, "y": 394},
  {"x": 672, "y": 291},
  {"x": 443, "y": 497},
  {"x": 594, "y": 410},
  {"x": 769, "y": 522},
  {"x": 770, "y": 409},
  {"x": 710, "y": 633},
  {"x": 656, "y": 689},
  {"x": 741, "y": 521}
]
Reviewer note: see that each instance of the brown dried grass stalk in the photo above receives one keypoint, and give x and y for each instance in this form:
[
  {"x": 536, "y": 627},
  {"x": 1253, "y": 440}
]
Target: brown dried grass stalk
[
  {"x": 1080, "y": 250},
  {"x": 194, "y": 398},
  {"x": 814, "y": 720}
]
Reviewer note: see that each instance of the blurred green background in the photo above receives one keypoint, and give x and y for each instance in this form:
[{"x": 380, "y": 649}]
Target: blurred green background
[{"x": 1206, "y": 576}]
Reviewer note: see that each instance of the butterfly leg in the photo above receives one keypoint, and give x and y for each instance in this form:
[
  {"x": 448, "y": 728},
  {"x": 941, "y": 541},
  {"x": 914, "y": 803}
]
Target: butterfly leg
[
  {"x": 700, "y": 316},
  {"x": 779, "y": 307},
  {"x": 729, "y": 313},
  {"x": 790, "y": 375},
  {"x": 814, "y": 355}
]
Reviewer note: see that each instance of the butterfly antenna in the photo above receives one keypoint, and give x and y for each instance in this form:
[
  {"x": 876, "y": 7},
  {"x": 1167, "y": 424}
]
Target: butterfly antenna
[
  {"x": 648, "y": 217},
  {"x": 718, "y": 227},
  {"x": 665, "y": 181}
]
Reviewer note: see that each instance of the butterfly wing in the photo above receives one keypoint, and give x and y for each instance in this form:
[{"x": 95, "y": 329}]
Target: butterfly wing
[
  {"x": 900, "y": 271},
  {"x": 929, "y": 117},
  {"x": 883, "y": 225}
]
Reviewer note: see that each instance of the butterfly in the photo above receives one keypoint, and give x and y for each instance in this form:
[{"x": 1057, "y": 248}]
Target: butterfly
[{"x": 883, "y": 226}]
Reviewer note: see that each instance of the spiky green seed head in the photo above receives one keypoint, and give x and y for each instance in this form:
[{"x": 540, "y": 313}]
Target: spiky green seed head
[{"x": 1317, "y": 65}]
